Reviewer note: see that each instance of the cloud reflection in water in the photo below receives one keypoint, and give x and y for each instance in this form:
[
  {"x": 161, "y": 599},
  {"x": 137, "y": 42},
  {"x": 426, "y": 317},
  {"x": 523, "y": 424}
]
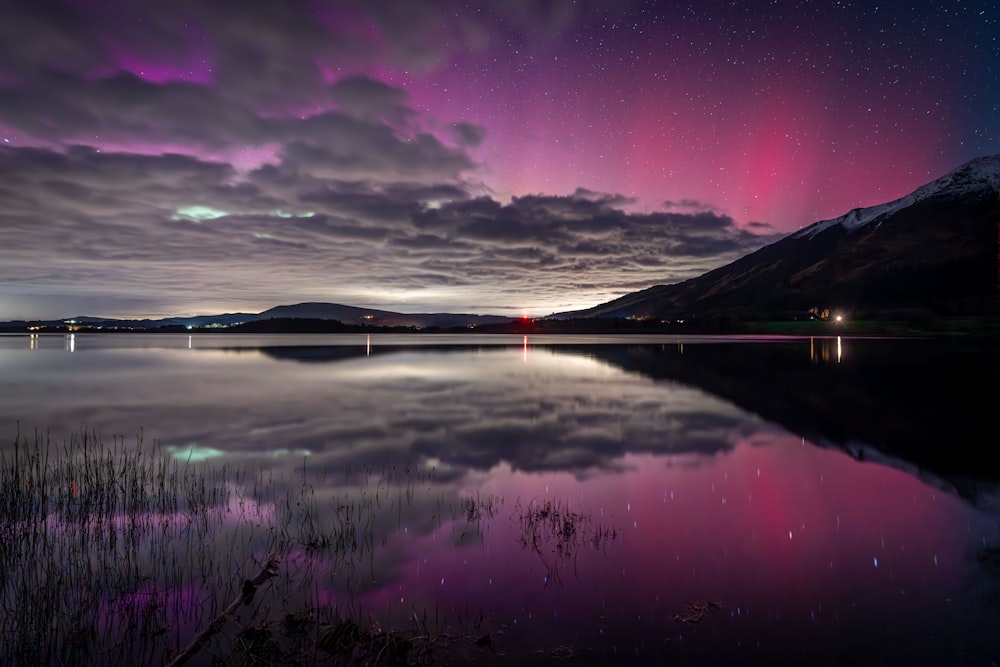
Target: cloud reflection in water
[{"x": 698, "y": 500}]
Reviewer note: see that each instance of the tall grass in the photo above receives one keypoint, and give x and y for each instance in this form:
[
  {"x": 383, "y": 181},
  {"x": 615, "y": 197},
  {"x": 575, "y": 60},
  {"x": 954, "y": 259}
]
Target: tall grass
[
  {"x": 119, "y": 553},
  {"x": 104, "y": 550}
]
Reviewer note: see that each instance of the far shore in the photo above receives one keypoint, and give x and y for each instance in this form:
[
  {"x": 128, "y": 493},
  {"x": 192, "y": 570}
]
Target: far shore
[{"x": 928, "y": 325}]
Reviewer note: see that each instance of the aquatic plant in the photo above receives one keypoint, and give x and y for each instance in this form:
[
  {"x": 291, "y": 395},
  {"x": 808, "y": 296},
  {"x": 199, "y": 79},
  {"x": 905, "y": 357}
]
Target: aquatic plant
[
  {"x": 121, "y": 552},
  {"x": 551, "y": 527}
]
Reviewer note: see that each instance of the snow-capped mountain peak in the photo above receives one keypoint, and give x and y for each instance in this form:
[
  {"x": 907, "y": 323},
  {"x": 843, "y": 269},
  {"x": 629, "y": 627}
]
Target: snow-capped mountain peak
[{"x": 975, "y": 176}]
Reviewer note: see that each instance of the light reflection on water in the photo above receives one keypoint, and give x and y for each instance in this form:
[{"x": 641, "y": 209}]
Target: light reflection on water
[{"x": 618, "y": 506}]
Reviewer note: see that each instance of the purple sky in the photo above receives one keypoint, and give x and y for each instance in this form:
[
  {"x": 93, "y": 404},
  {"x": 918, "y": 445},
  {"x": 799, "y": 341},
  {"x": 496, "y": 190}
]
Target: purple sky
[{"x": 201, "y": 156}]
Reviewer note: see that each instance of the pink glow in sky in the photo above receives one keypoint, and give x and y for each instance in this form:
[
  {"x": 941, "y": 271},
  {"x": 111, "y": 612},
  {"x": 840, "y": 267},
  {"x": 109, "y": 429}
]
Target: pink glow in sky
[
  {"x": 420, "y": 136},
  {"x": 785, "y": 132}
]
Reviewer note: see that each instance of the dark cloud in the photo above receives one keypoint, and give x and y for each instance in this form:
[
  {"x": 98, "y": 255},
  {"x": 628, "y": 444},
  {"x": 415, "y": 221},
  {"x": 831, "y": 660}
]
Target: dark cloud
[
  {"x": 688, "y": 205},
  {"x": 335, "y": 146},
  {"x": 133, "y": 224},
  {"x": 270, "y": 53},
  {"x": 762, "y": 227},
  {"x": 128, "y": 111},
  {"x": 368, "y": 138},
  {"x": 236, "y": 148},
  {"x": 365, "y": 98},
  {"x": 467, "y": 134},
  {"x": 591, "y": 226}
]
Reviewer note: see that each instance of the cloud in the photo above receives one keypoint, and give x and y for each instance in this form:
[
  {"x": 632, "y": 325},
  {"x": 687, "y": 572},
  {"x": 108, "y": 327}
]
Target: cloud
[
  {"x": 363, "y": 98},
  {"x": 334, "y": 146},
  {"x": 762, "y": 227},
  {"x": 584, "y": 225},
  {"x": 368, "y": 135},
  {"x": 688, "y": 205},
  {"x": 259, "y": 52},
  {"x": 134, "y": 225},
  {"x": 467, "y": 134},
  {"x": 238, "y": 148}
]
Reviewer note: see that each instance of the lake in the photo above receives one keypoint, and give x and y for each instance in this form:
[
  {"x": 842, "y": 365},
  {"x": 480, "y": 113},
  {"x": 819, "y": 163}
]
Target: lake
[{"x": 455, "y": 498}]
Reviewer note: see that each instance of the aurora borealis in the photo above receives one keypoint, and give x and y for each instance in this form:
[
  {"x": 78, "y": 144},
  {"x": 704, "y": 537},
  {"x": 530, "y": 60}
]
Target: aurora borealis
[{"x": 190, "y": 157}]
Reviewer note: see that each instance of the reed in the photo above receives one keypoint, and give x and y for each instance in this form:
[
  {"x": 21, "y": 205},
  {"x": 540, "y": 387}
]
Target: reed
[{"x": 118, "y": 552}]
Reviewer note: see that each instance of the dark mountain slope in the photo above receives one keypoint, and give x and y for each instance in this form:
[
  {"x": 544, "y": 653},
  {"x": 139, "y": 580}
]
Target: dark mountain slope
[{"x": 935, "y": 249}]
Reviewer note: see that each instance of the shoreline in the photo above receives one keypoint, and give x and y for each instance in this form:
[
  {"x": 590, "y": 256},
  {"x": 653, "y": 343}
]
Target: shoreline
[{"x": 973, "y": 326}]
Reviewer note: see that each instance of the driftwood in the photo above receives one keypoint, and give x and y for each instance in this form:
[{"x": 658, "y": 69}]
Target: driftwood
[{"x": 268, "y": 570}]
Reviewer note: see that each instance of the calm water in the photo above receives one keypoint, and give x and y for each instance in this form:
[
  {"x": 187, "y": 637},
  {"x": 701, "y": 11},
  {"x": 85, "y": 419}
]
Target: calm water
[{"x": 697, "y": 500}]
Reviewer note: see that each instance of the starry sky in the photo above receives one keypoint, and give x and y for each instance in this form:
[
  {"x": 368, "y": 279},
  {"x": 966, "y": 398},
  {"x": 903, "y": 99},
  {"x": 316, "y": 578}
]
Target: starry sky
[{"x": 203, "y": 156}]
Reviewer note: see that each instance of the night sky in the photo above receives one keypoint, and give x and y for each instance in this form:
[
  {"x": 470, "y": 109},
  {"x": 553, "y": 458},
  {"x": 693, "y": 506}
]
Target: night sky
[{"x": 197, "y": 156}]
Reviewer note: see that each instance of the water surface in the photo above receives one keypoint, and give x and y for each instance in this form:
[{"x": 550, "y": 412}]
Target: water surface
[{"x": 699, "y": 499}]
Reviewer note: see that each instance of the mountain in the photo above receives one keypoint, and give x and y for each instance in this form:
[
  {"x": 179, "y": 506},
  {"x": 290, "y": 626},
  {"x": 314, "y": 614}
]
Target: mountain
[
  {"x": 932, "y": 251},
  {"x": 350, "y": 315},
  {"x": 370, "y": 316}
]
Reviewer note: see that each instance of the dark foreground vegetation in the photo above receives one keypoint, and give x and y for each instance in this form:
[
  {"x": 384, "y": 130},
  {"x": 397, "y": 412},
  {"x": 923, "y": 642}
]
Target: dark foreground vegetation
[{"x": 123, "y": 553}]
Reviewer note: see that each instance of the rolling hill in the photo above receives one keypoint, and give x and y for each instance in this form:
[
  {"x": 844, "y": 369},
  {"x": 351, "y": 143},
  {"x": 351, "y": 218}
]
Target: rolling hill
[{"x": 312, "y": 311}]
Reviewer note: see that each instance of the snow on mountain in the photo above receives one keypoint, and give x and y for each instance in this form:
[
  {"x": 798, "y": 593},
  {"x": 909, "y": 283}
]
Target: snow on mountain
[{"x": 975, "y": 176}]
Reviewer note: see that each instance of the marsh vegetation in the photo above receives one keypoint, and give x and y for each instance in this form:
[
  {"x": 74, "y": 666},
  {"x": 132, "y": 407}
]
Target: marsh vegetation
[
  {"x": 672, "y": 501},
  {"x": 120, "y": 552}
]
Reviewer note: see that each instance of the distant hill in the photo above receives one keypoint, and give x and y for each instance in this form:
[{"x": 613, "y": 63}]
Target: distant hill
[
  {"x": 347, "y": 315},
  {"x": 934, "y": 250},
  {"x": 382, "y": 318}
]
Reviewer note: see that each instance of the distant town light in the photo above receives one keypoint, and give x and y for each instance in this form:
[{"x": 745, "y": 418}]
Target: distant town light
[{"x": 840, "y": 318}]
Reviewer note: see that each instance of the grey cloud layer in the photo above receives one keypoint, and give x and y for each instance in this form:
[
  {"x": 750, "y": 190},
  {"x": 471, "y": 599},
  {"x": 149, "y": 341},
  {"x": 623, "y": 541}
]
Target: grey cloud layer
[
  {"x": 248, "y": 179},
  {"x": 260, "y": 43},
  {"x": 206, "y": 73},
  {"x": 139, "y": 223}
]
